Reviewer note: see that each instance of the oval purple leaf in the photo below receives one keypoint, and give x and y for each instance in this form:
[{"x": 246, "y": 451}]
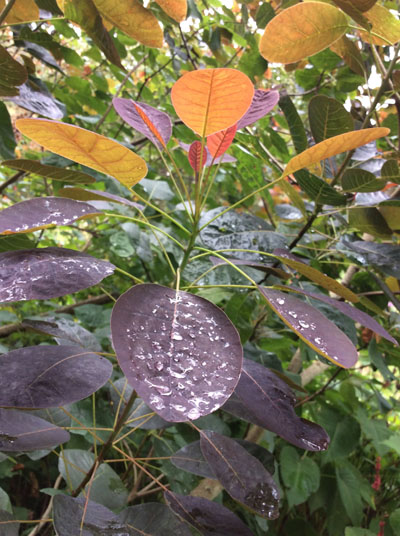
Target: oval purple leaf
[
  {"x": 134, "y": 113},
  {"x": 242, "y": 475},
  {"x": 180, "y": 352},
  {"x": 39, "y": 274},
  {"x": 312, "y": 327},
  {"x": 50, "y": 376},
  {"x": 21, "y": 431},
  {"x": 209, "y": 518},
  {"x": 41, "y": 212},
  {"x": 269, "y": 402},
  {"x": 263, "y": 102}
]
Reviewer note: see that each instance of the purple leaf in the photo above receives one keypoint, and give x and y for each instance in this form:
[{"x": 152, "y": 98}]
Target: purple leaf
[
  {"x": 39, "y": 100},
  {"x": 180, "y": 352},
  {"x": 50, "y": 376},
  {"x": 21, "y": 431},
  {"x": 349, "y": 310},
  {"x": 39, "y": 274},
  {"x": 266, "y": 400},
  {"x": 263, "y": 102},
  {"x": 209, "y": 518},
  {"x": 312, "y": 327},
  {"x": 134, "y": 113},
  {"x": 41, "y": 212},
  {"x": 96, "y": 195},
  {"x": 242, "y": 475},
  {"x": 225, "y": 158}
]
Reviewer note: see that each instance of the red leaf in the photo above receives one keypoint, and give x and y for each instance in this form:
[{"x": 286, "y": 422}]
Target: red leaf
[
  {"x": 196, "y": 160},
  {"x": 220, "y": 142}
]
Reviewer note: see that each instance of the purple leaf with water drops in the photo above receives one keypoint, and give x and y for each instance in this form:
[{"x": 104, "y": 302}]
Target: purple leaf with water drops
[
  {"x": 208, "y": 517},
  {"x": 179, "y": 351},
  {"x": 42, "y": 212},
  {"x": 263, "y": 102},
  {"x": 83, "y": 194},
  {"x": 242, "y": 475},
  {"x": 225, "y": 158},
  {"x": 50, "y": 376},
  {"x": 263, "y": 398},
  {"x": 21, "y": 432},
  {"x": 39, "y": 274},
  {"x": 312, "y": 327},
  {"x": 149, "y": 121}
]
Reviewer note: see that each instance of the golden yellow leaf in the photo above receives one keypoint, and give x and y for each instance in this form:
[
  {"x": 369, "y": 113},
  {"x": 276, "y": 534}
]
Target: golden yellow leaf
[
  {"x": 86, "y": 148},
  {"x": 385, "y": 27},
  {"x": 176, "y": 9},
  {"x": 301, "y": 31},
  {"x": 210, "y": 100},
  {"x": 333, "y": 146},
  {"x": 133, "y": 19},
  {"x": 22, "y": 11}
]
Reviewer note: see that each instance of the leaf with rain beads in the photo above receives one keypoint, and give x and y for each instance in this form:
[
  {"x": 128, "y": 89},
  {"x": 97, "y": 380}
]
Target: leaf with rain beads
[
  {"x": 263, "y": 398},
  {"x": 39, "y": 274},
  {"x": 208, "y": 517},
  {"x": 179, "y": 351},
  {"x": 242, "y": 475},
  {"x": 50, "y": 376},
  {"x": 312, "y": 327}
]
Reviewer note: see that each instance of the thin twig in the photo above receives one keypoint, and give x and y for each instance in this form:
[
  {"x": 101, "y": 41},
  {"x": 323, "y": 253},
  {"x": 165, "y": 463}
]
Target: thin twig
[{"x": 11, "y": 180}]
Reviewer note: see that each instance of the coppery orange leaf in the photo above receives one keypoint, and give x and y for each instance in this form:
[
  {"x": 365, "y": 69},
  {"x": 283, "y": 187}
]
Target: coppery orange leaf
[
  {"x": 145, "y": 118},
  {"x": 22, "y": 11},
  {"x": 220, "y": 142},
  {"x": 176, "y": 9},
  {"x": 197, "y": 157}
]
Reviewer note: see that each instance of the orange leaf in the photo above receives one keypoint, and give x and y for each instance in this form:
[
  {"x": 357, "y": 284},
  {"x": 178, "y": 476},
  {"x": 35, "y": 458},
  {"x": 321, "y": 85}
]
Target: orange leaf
[
  {"x": 301, "y": 31},
  {"x": 22, "y": 11},
  {"x": 211, "y": 100},
  {"x": 133, "y": 19},
  {"x": 86, "y": 148},
  {"x": 220, "y": 142},
  {"x": 176, "y": 9},
  {"x": 333, "y": 146},
  {"x": 149, "y": 123},
  {"x": 385, "y": 27},
  {"x": 197, "y": 157}
]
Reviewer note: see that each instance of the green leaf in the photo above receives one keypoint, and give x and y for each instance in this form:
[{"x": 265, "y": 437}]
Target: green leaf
[
  {"x": 344, "y": 440},
  {"x": 295, "y": 124},
  {"x": 318, "y": 190},
  {"x": 393, "y": 442},
  {"x": 349, "y": 482},
  {"x": 300, "y": 475},
  {"x": 394, "y": 520},
  {"x": 360, "y": 180},
  {"x": 12, "y": 73},
  {"x": 369, "y": 220},
  {"x": 328, "y": 118},
  {"x": 50, "y": 172},
  {"x": 7, "y": 140},
  {"x": 377, "y": 359},
  {"x": 5, "y": 503},
  {"x": 390, "y": 171},
  {"x": 358, "y": 531}
]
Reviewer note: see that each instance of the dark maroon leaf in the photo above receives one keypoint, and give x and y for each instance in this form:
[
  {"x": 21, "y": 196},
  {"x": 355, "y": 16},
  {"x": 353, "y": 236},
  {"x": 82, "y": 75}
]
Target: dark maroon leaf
[
  {"x": 242, "y": 475},
  {"x": 34, "y": 274},
  {"x": 21, "y": 432},
  {"x": 313, "y": 327},
  {"x": 258, "y": 265},
  {"x": 263, "y": 102},
  {"x": 190, "y": 458},
  {"x": 180, "y": 352},
  {"x": 128, "y": 110},
  {"x": 49, "y": 376},
  {"x": 209, "y": 518},
  {"x": 96, "y": 195},
  {"x": 266, "y": 400},
  {"x": 225, "y": 158},
  {"x": 349, "y": 310},
  {"x": 41, "y": 212}
]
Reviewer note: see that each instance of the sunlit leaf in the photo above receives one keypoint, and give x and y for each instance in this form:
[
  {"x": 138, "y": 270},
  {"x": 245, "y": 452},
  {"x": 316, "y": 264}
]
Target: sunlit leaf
[
  {"x": 49, "y": 376},
  {"x": 22, "y": 11},
  {"x": 220, "y": 142},
  {"x": 197, "y": 157},
  {"x": 87, "y": 148},
  {"x": 353, "y": 9},
  {"x": 12, "y": 73},
  {"x": 328, "y": 118},
  {"x": 263, "y": 102},
  {"x": 20, "y": 432},
  {"x": 152, "y": 123},
  {"x": 42, "y": 212},
  {"x": 361, "y": 180},
  {"x": 385, "y": 27},
  {"x": 178, "y": 351},
  {"x": 333, "y": 146},
  {"x": 391, "y": 215},
  {"x": 348, "y": 51},
  {"x": 176, "y": 9},
  {"x": 82, "y": 194},
  {"x": 301, "y": 31},
  {"x": 242, "y": 475},
  {"x": 209, "y": 159},
  {"x": 50, "y": 172},
  {"x": 133, "y": 19},
  {"x": 32, "y": 274},
  {"x": 211, "y": 100},
  {"x": 208, "y": 517},
  {"x": 369, "y": 220}
]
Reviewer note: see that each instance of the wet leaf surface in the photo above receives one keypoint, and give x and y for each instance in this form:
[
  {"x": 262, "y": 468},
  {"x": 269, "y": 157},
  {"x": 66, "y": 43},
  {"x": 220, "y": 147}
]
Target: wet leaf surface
[
  {"x": 42, "y": 212},
  {"x": 266, "y": 400},
  {"x": 20, "y": 432},
  {"x": 242, "y": 475},
  {"x": 179, "y": 352},
  {"x": 50, "y": 376},
  {"x": 384, "y": 256},
  {"x": 263, "y": 102},
  {"x": 29, "y": 274},
  {"x": 312, "y": 327},
  {"x": 209, "y": 518}
]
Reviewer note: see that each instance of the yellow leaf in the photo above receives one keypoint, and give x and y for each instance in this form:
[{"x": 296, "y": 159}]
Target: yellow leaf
[
  {"x": 349, "y": 52},
  {"x": 22, "y": 11},
  {"x": 333, "y": 146},
  {"x": 301, "y": 31},
  {"x": 133, "y": 19},
  {"x": 210, "y": 100},
  {"x": 385, "y": 27},
  {"x": 86, "y": 148},
  {"x": 176, "y": 9}
]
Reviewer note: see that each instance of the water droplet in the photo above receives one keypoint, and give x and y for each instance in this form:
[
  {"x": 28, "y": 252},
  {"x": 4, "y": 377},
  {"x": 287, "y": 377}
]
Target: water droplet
[
  {"x": 193, "y": 414},
  {"x": 303, "y": 324},
  {"x": 177, "y": 337},
  {"x": 280, "y": 301},
  {"x": 293, "y": 314}
]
